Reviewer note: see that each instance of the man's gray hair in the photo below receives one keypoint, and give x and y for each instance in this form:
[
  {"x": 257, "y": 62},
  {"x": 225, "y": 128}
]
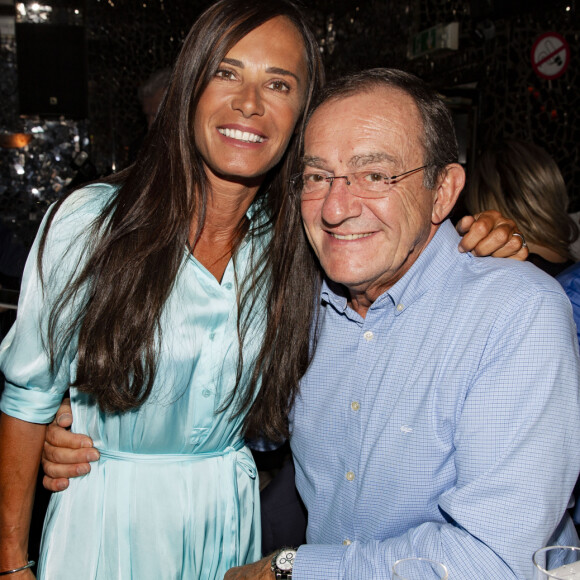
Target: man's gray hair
[{"x": 438, "y": 140}]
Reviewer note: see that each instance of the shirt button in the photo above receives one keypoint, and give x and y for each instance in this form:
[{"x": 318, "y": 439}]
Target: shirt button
[
  {"x": 212, "y": 336},
  {"x": 355, "y": 406},
  {"x": 368, "y": 335},
  {"x": 400, "y": 307},
  {"x": 350, "y": 475},
  {"x": 346, "y": 542},
  {"x": 228, "y": 285},
  {"x": 206, "y": 393}
]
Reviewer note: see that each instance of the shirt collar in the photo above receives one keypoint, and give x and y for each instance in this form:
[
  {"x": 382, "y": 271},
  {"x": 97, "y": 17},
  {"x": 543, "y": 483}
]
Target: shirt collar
[{"x": 435, "y": 259}]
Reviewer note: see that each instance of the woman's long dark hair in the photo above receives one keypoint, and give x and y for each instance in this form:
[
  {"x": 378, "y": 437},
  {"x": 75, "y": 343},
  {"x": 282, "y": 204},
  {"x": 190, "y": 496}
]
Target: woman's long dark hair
[{"x": 139, "y": 239}]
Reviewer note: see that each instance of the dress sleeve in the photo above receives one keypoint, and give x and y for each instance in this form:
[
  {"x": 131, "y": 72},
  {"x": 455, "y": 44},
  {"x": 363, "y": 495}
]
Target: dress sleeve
[{"x": 32, "y": 390}]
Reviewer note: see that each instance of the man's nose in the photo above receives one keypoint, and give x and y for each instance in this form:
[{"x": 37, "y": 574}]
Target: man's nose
[
  {"x": 340, "y": 204},
  {"x": 248, "y": 100}
]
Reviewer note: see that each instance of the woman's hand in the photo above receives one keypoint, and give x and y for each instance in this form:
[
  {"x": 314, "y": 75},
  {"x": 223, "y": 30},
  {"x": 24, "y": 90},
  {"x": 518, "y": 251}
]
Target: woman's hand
[
  {"x": 65, "y": 454},
  {"x": 491, "y": 234}
]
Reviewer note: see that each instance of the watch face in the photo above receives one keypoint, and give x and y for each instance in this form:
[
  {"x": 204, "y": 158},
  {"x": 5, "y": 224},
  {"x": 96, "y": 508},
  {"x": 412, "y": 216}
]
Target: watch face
[{"x": 285, "y": 560}]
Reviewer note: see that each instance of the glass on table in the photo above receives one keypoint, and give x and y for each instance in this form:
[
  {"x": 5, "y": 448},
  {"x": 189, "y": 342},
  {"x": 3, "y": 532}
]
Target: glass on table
[
  {"x": 557, "y": 563},
  {"x": 419, "y": 569}
]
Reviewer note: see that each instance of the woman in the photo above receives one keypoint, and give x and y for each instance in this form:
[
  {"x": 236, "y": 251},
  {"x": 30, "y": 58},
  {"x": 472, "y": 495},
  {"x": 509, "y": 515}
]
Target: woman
[
  {"x": 159, "y": 344},
  {"x": 523, "y": 182},
  {"x": 148, "y": 332}
]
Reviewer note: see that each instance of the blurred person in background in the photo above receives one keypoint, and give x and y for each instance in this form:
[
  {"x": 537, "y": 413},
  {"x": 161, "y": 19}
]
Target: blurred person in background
[
  {"x": 151, "y": 93},
  {"x": 523, "y": 182}
]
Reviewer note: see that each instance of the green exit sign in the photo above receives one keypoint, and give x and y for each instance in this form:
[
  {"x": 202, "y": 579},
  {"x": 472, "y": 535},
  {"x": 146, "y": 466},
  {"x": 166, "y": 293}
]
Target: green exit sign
[{"x": 440, "y": 37}]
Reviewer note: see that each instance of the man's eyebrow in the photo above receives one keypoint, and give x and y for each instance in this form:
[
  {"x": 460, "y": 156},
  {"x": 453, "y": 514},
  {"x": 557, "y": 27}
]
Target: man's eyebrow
[
  {"x": 313, "y": 161},
  {"x": 271, "y": 69},
  {"x": 367, "y": 158}
]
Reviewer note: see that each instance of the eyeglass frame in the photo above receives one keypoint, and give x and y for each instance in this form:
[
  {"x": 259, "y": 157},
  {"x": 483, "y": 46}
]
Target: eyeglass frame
[{"x": 386, "y": 180}]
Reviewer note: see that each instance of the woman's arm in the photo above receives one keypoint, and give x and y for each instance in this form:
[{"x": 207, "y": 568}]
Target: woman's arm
[
  {"x": 20, "y": 449},
  {"x": 491, "y": 234}
]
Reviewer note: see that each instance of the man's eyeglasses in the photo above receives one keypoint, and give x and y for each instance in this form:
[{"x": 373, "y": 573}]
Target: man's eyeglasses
[{"x": 367, "y": 184}]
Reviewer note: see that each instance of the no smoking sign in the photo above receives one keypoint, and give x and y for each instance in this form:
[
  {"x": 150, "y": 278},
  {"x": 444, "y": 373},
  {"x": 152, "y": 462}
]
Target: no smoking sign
[{"x": 550, "y": 55}]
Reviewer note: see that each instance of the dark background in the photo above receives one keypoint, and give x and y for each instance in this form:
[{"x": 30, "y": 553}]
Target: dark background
[{"x": 489, "y": 80}]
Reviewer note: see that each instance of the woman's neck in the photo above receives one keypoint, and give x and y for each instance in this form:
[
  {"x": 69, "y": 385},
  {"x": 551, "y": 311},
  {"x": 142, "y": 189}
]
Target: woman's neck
[
  {"x": 224, "y": 217},
  {"x": 546, "y": 253}
]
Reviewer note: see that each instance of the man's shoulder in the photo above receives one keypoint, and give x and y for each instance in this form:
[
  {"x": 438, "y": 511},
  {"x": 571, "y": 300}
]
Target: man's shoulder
[
  {"x": 498, "y": 286},
  {"x": 494, "y": 276},
  {"x": 502, "y": 272}
]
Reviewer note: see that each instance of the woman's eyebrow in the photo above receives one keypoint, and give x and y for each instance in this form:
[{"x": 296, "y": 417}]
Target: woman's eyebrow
[
  {"x": 281, "y": 71},
  {"x": 271, "y": 69}
]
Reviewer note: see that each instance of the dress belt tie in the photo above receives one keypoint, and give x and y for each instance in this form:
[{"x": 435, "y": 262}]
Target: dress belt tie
[{"x": 169, "y": 457}]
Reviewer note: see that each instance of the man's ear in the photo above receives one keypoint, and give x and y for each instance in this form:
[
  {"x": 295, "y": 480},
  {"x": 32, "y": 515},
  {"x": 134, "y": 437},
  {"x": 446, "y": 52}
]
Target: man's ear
[{"x": 449, "y": 187}]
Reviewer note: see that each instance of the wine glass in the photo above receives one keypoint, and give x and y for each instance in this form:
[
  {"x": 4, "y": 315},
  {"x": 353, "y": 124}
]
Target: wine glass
[
  {"x": 557, "y": 563},
  {"x": 419, "y": 569}
]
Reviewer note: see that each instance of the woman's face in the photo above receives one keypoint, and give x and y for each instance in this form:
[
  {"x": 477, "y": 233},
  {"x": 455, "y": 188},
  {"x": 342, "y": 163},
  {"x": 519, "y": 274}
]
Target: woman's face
[{"x": 248, "y": 112}]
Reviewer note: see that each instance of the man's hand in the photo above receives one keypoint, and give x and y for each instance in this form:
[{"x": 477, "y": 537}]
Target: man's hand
[
  {"x": 490, "y": 234},
  {"x": 65, "y": 454},
  {"x": 260, "y": 570}
]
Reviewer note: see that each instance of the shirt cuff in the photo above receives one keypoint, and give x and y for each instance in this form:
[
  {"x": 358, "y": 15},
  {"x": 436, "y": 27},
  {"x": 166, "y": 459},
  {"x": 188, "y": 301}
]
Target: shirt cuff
[
  {"x": 29, "y": 405},
  {"x": 318, "y": 562}
]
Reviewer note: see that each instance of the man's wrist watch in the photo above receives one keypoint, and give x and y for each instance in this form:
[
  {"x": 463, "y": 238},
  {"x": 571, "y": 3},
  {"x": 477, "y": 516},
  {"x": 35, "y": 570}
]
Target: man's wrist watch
[{"x": 282, "y": 563}]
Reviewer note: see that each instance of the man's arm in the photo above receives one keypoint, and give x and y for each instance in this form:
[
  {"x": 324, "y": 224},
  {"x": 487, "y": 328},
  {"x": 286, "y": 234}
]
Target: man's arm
[
  {"x": 260, "y": 570},
  {"x": 66, "y": 454}
]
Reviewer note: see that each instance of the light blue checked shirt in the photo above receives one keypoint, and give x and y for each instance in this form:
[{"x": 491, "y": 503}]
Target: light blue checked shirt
[{"x": 445, "y": 424}]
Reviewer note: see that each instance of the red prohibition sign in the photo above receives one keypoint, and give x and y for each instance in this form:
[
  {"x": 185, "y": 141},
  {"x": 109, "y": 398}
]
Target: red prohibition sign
[{"x": 550, "y": 55}]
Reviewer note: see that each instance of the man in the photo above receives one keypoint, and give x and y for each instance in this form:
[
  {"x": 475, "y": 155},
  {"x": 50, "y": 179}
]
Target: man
[{"x": 440, "y": 416}]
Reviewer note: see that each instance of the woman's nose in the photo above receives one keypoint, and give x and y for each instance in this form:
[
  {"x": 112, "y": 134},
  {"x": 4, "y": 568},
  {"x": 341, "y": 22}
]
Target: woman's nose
[{"x": 248, "y": 101}]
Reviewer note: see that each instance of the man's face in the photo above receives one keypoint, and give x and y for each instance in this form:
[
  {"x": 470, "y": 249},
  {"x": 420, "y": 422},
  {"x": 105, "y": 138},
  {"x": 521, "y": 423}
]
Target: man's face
[{"x": 368, "y": 244}]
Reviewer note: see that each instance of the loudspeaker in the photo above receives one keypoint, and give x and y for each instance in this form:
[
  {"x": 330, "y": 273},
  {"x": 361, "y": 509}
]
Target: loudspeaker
[{"x": 52, "y": 70}]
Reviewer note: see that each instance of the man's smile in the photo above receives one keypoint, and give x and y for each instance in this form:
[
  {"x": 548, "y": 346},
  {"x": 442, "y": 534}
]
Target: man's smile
[{"x": 350, "y": 236}]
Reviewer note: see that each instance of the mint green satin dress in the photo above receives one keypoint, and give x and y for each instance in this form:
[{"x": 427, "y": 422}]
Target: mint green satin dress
[{"x": 175, "y": 493}]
